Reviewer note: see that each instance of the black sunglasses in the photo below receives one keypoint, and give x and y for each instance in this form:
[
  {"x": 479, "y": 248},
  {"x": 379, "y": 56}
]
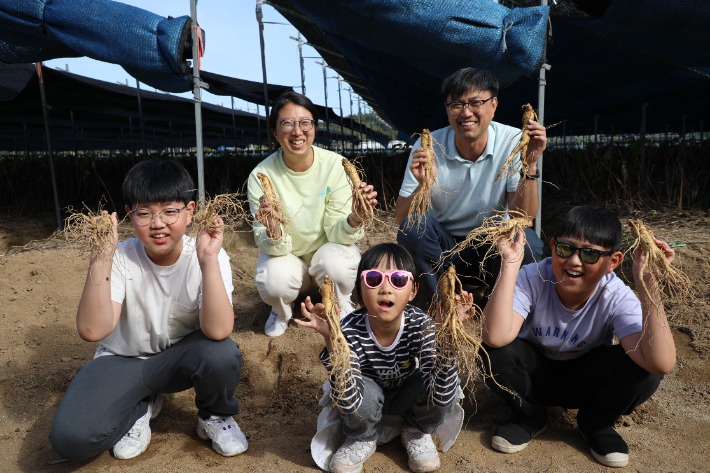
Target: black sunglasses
[{"x": 587, "y": 255}]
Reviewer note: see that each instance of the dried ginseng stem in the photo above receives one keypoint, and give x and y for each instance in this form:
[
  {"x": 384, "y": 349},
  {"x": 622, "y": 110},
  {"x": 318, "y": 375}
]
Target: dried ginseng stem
[
  {"x": 354, "y": 176},
  {"x": 508, "y": 167},
  {"x": 453, "y": 342},
  {"x": 227, "y": 206},
  {"x": 421, "y": 200},
  {"x": 488, "y": 233},
  {"x": 340, "y": 355},
  {"x": 92, "y": 230},
  {"x": 667, "y": 278}
]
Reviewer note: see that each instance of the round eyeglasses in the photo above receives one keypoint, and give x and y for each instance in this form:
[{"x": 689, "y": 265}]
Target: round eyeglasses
[
  {"x": 455, "y": 108},
  {"x": 144, "y": 217},
  {"x": 306, "y": 124}
]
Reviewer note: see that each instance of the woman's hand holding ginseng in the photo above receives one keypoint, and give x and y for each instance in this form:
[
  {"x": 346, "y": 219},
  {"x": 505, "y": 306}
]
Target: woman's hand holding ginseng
[
  {"x": 267, "y": 217},
  {"x": 419, "y": 159},
  {"x": 316, "y": 318},
  {"x": 210, "y": 240},
  {"x": 511, "y": 252},
  {"x": 370, "y": 195}
]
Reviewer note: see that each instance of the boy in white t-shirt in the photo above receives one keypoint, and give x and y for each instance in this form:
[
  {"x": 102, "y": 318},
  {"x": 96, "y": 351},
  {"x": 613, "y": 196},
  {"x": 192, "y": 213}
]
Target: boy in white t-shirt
[
  {"x": 549, "y": 331},
  {"x": 160, "y": 307}
]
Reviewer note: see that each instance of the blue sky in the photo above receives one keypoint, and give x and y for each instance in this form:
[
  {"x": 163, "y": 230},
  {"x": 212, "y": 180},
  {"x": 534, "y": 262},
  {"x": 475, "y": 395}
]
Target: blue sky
[{"x": 232, "y": 49}]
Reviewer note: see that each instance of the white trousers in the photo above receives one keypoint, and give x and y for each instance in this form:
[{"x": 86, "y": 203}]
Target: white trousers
[{"x": 280, "y": 279}]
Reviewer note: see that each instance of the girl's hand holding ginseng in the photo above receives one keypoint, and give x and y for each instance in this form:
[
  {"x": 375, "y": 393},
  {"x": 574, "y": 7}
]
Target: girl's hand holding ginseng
[
  {"x": 419, "y": 159},
  {"x": 370, "y": 195},
  {"x": 511, "y": 252},
  {"x": 267, "y": 217},
  {"x": 209, "y": 241},
  {"x": 316, "y": 318}
]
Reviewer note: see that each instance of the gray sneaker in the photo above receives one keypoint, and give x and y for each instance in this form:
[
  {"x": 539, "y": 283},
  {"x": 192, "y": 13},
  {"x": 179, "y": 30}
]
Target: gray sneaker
[
  {"x": 351, "y": 455},
  {"x": 420, "y": 450}
]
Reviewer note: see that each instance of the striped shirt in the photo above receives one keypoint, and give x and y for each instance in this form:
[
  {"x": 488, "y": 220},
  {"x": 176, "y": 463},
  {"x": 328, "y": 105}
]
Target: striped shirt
[{"x": 389, "y": 367}]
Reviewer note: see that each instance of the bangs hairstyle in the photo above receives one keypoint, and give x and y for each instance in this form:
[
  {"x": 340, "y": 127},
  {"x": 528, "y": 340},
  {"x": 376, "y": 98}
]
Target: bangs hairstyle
[
  {"x": 593, "y": 223},
  {"x": 296, "y": 99},
  {"x": 397, "y": 256},
  {"x": 158, "y": 181},
  {"x": 467, "y": 79}
]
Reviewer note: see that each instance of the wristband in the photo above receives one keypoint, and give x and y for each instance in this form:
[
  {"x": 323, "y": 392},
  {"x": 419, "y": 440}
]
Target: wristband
[{"x": 530, "y": 176}]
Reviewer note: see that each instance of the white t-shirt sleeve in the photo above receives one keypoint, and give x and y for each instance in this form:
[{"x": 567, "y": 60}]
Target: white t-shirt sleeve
[
  {"x": 524, "y": 291},
  {"x": 226, "y": 269},
  {"x": 118, "y": 276},
  {"x": 410, "y": 183},
  {"x": 627, "y": 317}
]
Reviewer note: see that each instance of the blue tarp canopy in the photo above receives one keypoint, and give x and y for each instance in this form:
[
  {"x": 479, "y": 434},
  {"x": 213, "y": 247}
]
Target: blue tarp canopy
[
  {"x": 608, "y": 57},
  {"x": 150, "y": 47}
]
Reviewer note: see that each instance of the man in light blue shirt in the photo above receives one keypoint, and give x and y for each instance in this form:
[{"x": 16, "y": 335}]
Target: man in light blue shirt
[{"x": 469, "y": 154}]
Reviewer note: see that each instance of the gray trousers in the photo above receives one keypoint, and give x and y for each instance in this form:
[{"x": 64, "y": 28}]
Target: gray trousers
[
  {"x": 110, "y": 393},
  {"x": 410, "y": 400}
]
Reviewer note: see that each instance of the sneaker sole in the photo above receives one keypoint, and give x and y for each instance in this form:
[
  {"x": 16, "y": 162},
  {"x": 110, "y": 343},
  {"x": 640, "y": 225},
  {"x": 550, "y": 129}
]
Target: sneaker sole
[
  {"x": 422, "y": 469},
  {"x": 619, "y": 460},
  {"x": 359, "y": 470},
  {"x": 502, "y": 445},
  {"x": 145, "y": 447}
]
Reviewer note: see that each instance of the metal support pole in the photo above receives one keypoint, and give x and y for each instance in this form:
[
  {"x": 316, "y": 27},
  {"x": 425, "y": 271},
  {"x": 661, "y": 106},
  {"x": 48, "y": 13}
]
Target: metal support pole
[
  {"x": 352, "y": 131},
  {"x": 325, "y": 91},
  {"x": 259, "y": 18},
  {"x": 300, "y": 42},
  {"x": 45, "y": 115},
  {"x": 642, "y": 137},
  {"x": 340, "y": 101},
  {"x": 234, "y": 127},
  {"x": 258, "y": 125},
  {"x": 197, "y": 92},
  {"x": 140, "y": 117},
  {"x": 542, "y": 82}
]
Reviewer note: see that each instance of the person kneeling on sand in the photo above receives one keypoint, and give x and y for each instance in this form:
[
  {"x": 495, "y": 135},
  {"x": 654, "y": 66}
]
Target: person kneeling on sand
[
  {"x": 393, "y": 363},
  {"x": 160, "y": 307},
  {"x": 549, "y": 332}
]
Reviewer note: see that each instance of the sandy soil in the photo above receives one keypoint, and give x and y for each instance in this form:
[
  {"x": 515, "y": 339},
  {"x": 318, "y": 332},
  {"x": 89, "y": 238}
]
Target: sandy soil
[{"x": 40, "y": 352}]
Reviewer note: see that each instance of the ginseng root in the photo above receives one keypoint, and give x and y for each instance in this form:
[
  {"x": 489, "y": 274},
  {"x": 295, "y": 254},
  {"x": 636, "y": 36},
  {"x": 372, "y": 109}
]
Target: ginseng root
[
  {"x": 454, "y": 342},
  {"x": 277, "y": 213},
  {"x": 489, "y": 232},
  {"x": 227, "y": 206},
  {"x": 668, "y": 279},
  {"x": 92, "y": 230},
  {"x": 340, "y": 354},
  {"x": 421, "y": 200},
  {"x": 509, "y": 168},
  {"x": 363, "y": 204}
]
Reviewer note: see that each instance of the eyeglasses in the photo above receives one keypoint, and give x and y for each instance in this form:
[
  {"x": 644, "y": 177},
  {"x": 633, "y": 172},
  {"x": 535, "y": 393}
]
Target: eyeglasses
[
  {"x": 455, "y": 108},
  {"x": 587, "y": 255},
  {"x": 306, "y": 124},
  {"x": 144, "y": 217},
  {"x": 373, "y": 278}
]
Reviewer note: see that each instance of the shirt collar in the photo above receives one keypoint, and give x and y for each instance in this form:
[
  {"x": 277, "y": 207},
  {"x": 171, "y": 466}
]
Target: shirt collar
[{"x": 488, "y": 151}]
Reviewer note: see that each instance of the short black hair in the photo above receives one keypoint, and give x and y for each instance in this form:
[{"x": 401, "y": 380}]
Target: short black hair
[
  {"x": 294, "y": 98},
  {"x": 466, "y": 79},
  {"x": 158, "y": 181},
  {"x": 594, "y": 223},
  {"x": 397, "y": 255}
]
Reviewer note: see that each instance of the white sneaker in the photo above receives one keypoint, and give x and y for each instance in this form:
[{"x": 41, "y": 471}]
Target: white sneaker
[
  {"x": 351, "y": 455},
  {"x": 420, "y": 450},
  {"x": 275, "y": 325},
  {"x": 227, "y": 438},
  {"x": 137, "y": 439}
]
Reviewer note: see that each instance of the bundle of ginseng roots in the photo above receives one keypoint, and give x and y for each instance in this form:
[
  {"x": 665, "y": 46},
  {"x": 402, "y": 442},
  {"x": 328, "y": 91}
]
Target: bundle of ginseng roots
[
  {"x": 669, "y": 280},
  {"x": 456, "y": 341},
  {"x": 489, "y": 232},
  {"x": 340, "y": 369},
  {"x": 228, "y": 207},
  {"x": 509, "y": 168},
  {"x": 278, "y": 213},
  {"x": 92, "y": 231},
  {"x": 421, "y": 200}
]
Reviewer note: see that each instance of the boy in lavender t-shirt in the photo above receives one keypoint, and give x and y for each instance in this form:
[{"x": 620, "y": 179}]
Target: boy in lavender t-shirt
[{"x": 550, "y": 335}]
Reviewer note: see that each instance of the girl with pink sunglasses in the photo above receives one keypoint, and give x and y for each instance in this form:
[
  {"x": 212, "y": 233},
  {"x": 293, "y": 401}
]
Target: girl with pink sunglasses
[{"x": 392, "y": 359}]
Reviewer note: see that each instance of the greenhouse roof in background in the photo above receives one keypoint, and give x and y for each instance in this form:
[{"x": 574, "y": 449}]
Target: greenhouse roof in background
[{"x": 607, "y": 57}]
